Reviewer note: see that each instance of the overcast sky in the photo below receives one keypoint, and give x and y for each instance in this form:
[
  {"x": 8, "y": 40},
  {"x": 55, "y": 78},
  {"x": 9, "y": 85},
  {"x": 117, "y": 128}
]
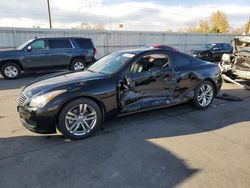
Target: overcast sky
[{"x": 156, "y": 15}]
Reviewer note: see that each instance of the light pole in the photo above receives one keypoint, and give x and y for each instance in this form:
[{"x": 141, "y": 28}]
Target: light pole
[{"x": 50, "y": 24}]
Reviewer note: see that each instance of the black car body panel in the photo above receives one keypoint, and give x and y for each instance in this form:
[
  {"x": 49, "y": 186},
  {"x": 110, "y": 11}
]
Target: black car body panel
[
  {"x": 54, "y": 53},
  {"x": 212, "y": 52},
  {"x": 122, "y": 92}
]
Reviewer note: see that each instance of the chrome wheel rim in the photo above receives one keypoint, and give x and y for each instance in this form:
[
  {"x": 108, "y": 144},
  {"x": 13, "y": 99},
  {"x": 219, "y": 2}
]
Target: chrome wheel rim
[
  {"x": 11, "y": 71},
  {"x": 79, "y": 66},
  {"x": 205, "y": 95},
  {"x": 81, "y": 119}
]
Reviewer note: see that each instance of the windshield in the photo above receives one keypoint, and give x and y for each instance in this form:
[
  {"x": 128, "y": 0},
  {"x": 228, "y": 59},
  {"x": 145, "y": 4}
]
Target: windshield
[
  {"x": 209, "y": 46},
  {"x": 111, "y": 63},
  {"x": 23, "y": 45}
]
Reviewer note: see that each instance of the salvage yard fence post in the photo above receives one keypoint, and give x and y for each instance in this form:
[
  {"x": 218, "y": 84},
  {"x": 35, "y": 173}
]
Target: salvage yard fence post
[{"x": 109, "y": 41}]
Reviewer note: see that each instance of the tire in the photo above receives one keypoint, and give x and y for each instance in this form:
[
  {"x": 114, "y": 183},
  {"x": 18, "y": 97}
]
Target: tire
[
  {"x": 75, "y": 125},
  {"x": 11, "y": 71},
  {"x": 77, "y": 65},
  {"x": 204, "y": 95}
]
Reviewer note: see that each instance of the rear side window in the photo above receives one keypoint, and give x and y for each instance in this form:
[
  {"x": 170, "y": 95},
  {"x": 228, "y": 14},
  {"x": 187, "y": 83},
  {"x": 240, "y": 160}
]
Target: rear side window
[
  {"x": 59, "y": 43},
  {"x": 226, "y": 46},
  {"x": 84, "y": 43},
  {"x": 181, "y": 61}
]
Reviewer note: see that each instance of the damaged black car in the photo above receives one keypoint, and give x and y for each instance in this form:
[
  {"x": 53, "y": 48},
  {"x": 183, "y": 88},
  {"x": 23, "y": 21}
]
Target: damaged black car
[
  {"x": 121, "y": 83},
  {"x": 237, "y": 65}
]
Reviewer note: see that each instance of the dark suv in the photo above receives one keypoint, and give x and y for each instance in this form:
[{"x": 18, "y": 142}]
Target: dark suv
[
  {"x": 212, "y": 52},
  {"x": 41, "y": 54}
]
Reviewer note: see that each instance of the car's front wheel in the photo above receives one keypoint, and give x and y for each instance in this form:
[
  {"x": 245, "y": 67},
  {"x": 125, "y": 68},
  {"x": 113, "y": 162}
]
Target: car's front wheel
[
  {"x": 79, "y": 119},
  {"x": 10, "y": 71},
  {"x": 204, "y": 95}
]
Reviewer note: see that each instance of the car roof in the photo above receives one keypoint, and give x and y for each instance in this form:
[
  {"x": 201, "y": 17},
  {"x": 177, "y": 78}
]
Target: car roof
[
  {"x": 160, "y": 45},
  {"x": 218, "y": 43},
  {"x": 141, "y": 50},
  {"x": 61, "y": 37}
]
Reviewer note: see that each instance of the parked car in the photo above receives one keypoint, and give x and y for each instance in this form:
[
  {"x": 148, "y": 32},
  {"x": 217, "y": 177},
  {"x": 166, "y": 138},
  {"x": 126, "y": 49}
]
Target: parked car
[
  {"x": 120, "y": 83},
  {"x": 162, "y": 46},
  {"x": 238, "y": 63},
  {"x": 212, "y": 52},
  {"x": 41, "y": 54}
]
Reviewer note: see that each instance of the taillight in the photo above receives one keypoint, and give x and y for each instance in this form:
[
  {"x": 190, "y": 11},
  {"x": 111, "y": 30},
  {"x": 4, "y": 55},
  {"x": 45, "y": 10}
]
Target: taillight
[{"x": 94, "y": 52}]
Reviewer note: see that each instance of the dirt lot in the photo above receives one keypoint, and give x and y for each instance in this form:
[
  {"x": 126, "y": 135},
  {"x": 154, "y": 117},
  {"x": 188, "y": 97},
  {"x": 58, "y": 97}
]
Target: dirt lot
[{"x": 173, "y": 147}]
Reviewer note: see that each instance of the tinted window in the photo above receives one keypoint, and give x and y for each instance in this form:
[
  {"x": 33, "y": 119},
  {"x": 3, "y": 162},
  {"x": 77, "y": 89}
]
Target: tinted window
[
  {"x": 39, "y": 44},
  {"x": 181, "y": 60},
  {"x": 59, "y": 43},
  {"x": 226, "y": 46},
  {"x": 218, "y": 47},
  {"x": 84, "y": 43},
  {"x": 149, "y": 62}
]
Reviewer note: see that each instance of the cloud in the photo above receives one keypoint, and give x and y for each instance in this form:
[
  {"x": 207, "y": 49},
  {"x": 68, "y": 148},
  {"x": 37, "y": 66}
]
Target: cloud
[{"x": 147, "y": 15}]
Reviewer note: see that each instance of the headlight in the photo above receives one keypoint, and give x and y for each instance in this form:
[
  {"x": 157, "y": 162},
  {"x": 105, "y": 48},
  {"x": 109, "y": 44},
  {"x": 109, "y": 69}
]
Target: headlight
[{"x": 42, "y": 100}]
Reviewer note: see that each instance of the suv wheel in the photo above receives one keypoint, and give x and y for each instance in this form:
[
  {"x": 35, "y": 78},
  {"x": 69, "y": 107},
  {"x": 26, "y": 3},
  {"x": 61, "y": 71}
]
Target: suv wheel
[
  {"x": 79, "y": 119},
  {"x": 77, "y": 65},
  {"x": 11, "y": 71},
  {"x": 204, "y": 95}
]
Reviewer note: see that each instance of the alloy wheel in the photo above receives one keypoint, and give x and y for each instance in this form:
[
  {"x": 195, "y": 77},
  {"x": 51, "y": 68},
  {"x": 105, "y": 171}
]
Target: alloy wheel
[
  {"x": 205, "y": 95},
  {"x": 81, "y": 119}
]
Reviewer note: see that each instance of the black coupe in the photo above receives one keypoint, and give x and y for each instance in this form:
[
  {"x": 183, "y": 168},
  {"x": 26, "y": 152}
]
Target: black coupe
[{"x": 124, "y": 82}]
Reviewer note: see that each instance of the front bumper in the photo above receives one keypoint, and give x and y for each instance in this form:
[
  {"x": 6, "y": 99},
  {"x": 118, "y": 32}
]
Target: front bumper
[{"x": 41, "y": 121}]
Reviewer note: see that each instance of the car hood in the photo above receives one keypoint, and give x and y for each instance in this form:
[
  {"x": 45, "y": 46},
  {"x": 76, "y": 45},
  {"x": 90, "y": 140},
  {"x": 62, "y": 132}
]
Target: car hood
[
  {"x": 59, "y": 80},
  {"x": 8, "y": 51}
]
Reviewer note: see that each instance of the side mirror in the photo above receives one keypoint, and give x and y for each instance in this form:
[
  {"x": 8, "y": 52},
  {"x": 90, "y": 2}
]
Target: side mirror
[{"x": 29, "y": 48}]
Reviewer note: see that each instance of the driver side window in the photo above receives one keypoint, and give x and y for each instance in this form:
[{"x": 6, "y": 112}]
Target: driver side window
[
  {"x": 150, "y": 62},
  {"x": 39, "y": 45}
]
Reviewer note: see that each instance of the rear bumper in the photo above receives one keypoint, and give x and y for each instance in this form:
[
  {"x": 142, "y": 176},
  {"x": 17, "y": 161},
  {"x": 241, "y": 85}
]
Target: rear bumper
[{"x": 37, "y": 121}]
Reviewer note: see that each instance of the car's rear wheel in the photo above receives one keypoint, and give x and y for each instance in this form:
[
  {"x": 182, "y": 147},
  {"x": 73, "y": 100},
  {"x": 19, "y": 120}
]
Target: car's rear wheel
[
  {"x": 11, "y": 71},
  {"x": 78, "y": 65},
  {"x": 204, "y": 95},
  {"x": 79, "y": 119}
]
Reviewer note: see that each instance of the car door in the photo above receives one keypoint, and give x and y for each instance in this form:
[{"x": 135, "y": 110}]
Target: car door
[
  {"x": 149, "y": 83},
  {"x": 36, "y": 55},
  {"x": 61, "y": 50}
]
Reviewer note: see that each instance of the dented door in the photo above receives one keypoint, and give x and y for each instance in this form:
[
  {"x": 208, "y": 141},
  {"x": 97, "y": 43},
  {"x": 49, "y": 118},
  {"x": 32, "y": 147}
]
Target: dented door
[{"x": 148, "y": 89}]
